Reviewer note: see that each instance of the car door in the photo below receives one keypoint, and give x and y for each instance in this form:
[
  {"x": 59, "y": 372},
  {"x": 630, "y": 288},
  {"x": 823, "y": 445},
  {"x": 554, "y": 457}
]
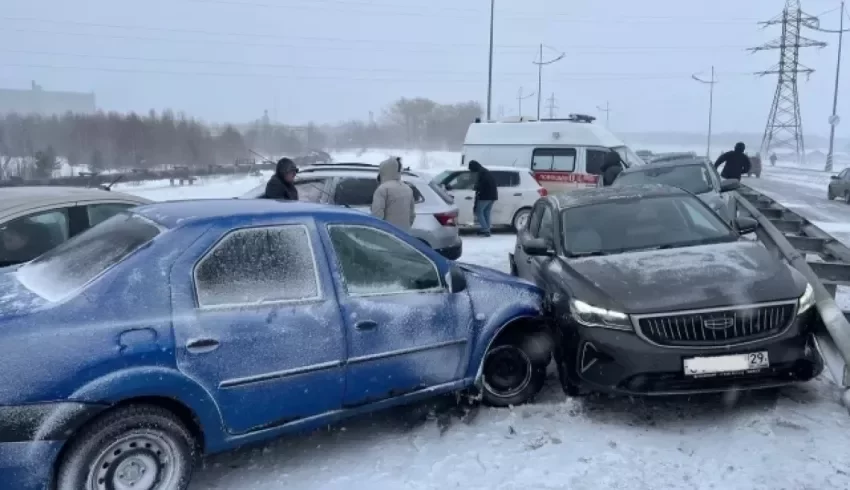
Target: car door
[
  {"x": 545, "y": 229},
  {"x": 257, "y": 324},
  {"x": 521, "y": 259},
  {"x": 843, "y": 183},
  {"x": 510, "y": 197},
  {"x": 461, "y": 186},
  {"x": 24, "y": 237},
  {"x": 406, "y": 332}
]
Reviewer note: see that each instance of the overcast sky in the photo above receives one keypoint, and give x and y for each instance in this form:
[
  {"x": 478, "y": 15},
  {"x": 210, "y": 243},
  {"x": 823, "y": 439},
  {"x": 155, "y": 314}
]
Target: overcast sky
[{"x": 330, "y": 60}]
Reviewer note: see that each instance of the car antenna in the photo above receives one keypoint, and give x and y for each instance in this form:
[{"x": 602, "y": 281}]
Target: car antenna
[{"x": 108, "y": 187}]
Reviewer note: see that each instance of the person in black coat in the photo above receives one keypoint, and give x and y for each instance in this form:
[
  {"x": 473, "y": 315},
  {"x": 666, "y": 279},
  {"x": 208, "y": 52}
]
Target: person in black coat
[
  {"x": 486, "y": 194},
  {"x": 281, "y": 185},
  {"x": 737, "y": 163},
  {"x": 611, "y": 168}
]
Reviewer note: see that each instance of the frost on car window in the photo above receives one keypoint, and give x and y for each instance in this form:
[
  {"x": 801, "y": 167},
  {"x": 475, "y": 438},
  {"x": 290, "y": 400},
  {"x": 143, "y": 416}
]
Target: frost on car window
[
  {"x": 374, "y": 262},
  {"x": 258, "y": 265},
  {"x": 74, "y": 263}
]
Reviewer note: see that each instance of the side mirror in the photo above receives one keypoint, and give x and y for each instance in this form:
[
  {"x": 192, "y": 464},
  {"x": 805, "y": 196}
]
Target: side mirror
[
  {"x": 746, "y": 225},
  {"x": 447, "y": 187},
  {"x": 456, "y": 279},
  {"x": 833, "y": 177},
  {"x": 537, "y": 247},
  {"x": 730, "y": 185}
]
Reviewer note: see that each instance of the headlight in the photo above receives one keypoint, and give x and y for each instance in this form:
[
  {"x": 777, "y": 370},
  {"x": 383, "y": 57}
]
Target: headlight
[
  {"x": 807, "y": 300},
  {"x": 593, "y": 316}
]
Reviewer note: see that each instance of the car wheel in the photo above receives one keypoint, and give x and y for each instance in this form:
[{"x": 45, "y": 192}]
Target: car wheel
[
  {"x": 521, "y": 219},
  {"x": 510, "y": 377},
  {"x": 847, "y": 197},
  {"x": 137, "y": 447},
  {"x": 829, "y": 196}
]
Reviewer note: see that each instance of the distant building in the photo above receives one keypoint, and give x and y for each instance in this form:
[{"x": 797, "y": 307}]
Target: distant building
[{"x": 45, "y": 103}]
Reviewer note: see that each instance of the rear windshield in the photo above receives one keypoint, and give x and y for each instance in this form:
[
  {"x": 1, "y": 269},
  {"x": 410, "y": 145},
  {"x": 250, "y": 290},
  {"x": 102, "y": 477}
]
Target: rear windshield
[
  {"x": 70, "y": 266},
  {"x": 440, "y": 192}
]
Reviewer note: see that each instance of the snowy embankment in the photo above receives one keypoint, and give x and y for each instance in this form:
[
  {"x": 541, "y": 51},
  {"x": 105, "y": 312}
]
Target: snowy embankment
[{"x": 794, "y": 438}]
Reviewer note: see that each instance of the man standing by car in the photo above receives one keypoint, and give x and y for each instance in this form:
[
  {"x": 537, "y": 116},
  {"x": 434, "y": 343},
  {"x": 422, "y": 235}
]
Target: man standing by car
[
  {"x": 281, "y": 185},
  {"x": 737, "y": 163},
  {"x": 486, "y": 194},
  {"x": 611, "y": 168},
  {"x": 393, "y": 199}
]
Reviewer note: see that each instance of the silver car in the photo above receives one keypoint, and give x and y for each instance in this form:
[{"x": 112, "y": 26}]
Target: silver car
[
  {"x": 695, "y": 175},
  {"x": 353, "y": 184},
  {"x": 36, "y": 219}
]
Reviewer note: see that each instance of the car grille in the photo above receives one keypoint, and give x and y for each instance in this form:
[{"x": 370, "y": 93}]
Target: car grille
[{"x": 720, "y": 327}]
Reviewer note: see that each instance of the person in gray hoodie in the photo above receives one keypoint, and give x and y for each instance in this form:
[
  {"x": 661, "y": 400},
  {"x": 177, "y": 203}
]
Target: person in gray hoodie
[{"x": 393, "y": 199}]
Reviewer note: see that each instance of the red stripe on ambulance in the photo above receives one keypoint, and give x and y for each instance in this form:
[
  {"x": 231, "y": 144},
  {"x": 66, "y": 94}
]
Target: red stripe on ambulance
[{"x": 566, "y": 177}]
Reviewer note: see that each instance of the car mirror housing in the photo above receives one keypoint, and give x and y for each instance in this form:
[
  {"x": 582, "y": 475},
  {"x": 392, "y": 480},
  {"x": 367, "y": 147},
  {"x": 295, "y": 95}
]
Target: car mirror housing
[
  {"x": 729, "y": 185},
  {"x": 538, "y": 247},
  {"x": 456, "y": 279},
  {"x": 746, "y": 225},
  {"x": 833, "y": 177}
]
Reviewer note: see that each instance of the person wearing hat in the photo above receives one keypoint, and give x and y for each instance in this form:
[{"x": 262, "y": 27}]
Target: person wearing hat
[{"x": 281, "y": 185}]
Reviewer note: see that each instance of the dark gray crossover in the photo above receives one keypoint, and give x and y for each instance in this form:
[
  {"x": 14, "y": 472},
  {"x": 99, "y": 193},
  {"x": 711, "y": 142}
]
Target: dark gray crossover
[{"x": 652, "y": 292}]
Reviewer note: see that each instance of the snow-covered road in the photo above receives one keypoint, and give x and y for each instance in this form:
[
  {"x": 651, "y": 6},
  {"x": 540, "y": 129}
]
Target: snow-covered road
[{"x": 795, "y": 438}]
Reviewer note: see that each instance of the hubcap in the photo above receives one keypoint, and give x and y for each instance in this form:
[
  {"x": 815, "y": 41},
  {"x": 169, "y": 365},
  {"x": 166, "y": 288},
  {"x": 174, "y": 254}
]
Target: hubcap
[
  {"x": 138, "y": 461},
  {"x": 522, "y": 219},
  {"x": 507, "y": 371}
]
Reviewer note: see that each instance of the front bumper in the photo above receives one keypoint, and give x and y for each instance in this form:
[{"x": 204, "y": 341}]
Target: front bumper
[
  {"x": 620, "y": 362},
  {"x": 31, "y": 437}
]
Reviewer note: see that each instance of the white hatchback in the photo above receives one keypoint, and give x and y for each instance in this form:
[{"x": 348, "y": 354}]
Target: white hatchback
[{"x": 518, "y": 191}]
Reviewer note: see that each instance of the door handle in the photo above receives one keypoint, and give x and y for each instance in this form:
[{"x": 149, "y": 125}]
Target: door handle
[
  {"x": 202, "y": 346},
  {"x": 468, "y": 198},
  {"x": 366, "y": 325},
  {"x": 517, "y": 194}
]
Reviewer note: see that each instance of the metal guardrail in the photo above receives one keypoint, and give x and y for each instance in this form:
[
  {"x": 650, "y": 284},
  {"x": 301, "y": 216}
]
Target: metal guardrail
[{"x": 799, "y": 242}]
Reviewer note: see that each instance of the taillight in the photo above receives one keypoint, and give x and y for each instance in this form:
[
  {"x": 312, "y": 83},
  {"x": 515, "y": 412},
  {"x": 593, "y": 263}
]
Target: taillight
[
  {"x": 447, "y": 219},
  {"x": 543, "y": 192}
]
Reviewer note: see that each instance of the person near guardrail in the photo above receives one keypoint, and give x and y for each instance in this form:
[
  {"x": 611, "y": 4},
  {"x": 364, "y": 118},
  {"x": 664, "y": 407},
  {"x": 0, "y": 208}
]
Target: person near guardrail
[
  {"x": 486, "y": 194},
  {"x": 735, "y": 163},
  {"x": 393, "y": 199},
  {"x": 755, "y": 166},
  {"x": 281, "y": 185}
]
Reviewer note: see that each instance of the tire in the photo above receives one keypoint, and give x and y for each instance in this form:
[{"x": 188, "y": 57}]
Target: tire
[
  {"x": 141, "y": 444},
  {"x": 504, "y": 385},
  {"x": 847, "y": 197},
  {"x": 520, "y": 219},
  {"x": 829, "y": 196}
]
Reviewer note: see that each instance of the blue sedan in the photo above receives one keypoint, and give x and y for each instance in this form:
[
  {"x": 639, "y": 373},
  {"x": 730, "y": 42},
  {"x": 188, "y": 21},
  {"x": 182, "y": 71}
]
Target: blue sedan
[{"x": 187, "y": 328}]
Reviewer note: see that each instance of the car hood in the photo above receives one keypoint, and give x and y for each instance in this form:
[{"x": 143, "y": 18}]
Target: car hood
[
  {"x": 706, "y": 276},
  {"x": 15, "y": 299}
]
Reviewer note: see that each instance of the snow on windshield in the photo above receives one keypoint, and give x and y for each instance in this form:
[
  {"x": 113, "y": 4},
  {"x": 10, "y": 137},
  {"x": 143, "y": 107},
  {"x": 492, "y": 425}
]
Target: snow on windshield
[{"x": 70, "y": 266}]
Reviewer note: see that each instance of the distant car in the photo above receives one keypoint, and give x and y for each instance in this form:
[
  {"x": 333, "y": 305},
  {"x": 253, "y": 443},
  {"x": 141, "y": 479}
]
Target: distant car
[
  {"x": 654, "y": 294},
  {"x": 839, "y": 186},
  {"x": 35, "y": 219},
  {"x": 313, "y": 157},
  {"x": 697, "y": 176},
  {"x": 195, "y": 327},
  {"x": 518, "y": 191},
  {"x": 353, "y": 185}
]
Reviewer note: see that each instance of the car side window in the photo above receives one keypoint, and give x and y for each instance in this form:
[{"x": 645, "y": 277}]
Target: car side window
[
  {"x": 25, "y": 238},
  {"x": 258, "y": 265},
  {"x": 594, "y": 160},
  {"x": 372, "y": 262},
  {"x": 99, "y": 213},
  {"x": 356, "y": 192},
  {"x": 553, "y": 159},
  {"x": 534, "y": 221},
  {"x": 312, "y": 190},
  {"x": 505, "y": 178},
  {"x": 546, "y": 228},
  {"x": 461, "y": 181},
  {"x": 844, "y": 174}
]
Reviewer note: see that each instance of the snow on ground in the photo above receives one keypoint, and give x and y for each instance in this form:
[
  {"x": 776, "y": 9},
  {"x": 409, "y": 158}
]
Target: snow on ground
[{"x": 794, "y": 438}]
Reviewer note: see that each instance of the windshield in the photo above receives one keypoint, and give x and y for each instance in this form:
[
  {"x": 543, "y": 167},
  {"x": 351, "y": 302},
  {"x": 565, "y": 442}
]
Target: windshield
[
  {"x": 631, "y": 158},
  {"x": 70, "y": 266},
  {"x": 692, "y": 178},
  {"x": 646, "y": 223}
]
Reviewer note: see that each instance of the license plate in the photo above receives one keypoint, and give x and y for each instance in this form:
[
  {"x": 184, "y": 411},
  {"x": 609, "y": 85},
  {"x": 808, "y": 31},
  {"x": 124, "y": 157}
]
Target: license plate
[{"x": 738, "y": 363}]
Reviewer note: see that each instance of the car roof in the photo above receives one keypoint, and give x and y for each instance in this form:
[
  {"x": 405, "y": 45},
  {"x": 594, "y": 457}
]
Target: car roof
[
  {"x": 348, "y": 169},
  {"x": 537, "y": 133},
  {"x": 597, "y": 195},
  {"x": 38, "y": 196},
  {"x": 683, "y": 162},
  {"x": 172, "y": 214}
]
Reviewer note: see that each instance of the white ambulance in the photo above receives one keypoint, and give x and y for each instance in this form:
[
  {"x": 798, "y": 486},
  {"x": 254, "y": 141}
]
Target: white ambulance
[{"x": 562, "y": 154}]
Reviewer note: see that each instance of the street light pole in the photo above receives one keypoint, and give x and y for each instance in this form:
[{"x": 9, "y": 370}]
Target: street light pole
[
  {"x": 711, "y": 84},
  {"x": 833, "y": 120},
  {"x": 490, "y": 68},
  {"x": 540, "y": 76}
]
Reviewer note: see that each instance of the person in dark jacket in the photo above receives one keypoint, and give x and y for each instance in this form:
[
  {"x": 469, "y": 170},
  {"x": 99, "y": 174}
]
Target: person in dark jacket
[
  {"x": 281, "y": 185},
  {"x": 735, "y": 163},
  {"x": 486, "y": 194},
  {"x": 611, "y": 168}
]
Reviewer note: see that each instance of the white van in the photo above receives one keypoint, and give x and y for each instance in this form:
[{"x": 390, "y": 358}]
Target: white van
[{"x": 562, "y": 154}]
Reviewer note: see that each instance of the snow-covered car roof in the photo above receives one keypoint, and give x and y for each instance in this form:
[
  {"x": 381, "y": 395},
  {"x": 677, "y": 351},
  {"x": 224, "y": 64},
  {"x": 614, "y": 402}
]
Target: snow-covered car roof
[{"x": 15, "y": 199}]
